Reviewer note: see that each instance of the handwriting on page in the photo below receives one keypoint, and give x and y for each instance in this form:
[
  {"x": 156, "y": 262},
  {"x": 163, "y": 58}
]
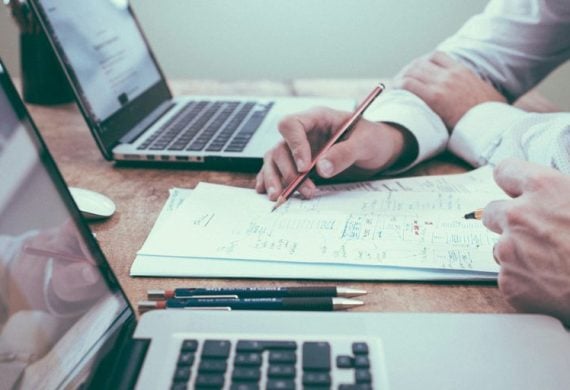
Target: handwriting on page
[
  {"x": 476, "y": 181},
  {"x": 409, "y": 229}
]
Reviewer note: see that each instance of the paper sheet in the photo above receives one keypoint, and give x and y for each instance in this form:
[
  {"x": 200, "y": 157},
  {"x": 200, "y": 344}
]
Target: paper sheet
[
  {"x": 476, "y": 181},
  {"x": 371, "y": 227}
]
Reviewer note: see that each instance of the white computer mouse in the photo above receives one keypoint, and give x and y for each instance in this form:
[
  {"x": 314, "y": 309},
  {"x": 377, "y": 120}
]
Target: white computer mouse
[{"x": 93, "y": 205}]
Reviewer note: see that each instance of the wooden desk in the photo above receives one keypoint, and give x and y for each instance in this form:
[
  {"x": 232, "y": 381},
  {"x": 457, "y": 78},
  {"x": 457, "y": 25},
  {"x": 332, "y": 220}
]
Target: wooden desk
[{"x": 140, "y": 193}]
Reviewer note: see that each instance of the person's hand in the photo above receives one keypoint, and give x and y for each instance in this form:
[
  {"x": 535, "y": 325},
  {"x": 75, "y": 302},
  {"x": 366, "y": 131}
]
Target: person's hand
[
  {"x": 369, "y": 148},
  {"x": 71, "y": 281},
  {"x": 534, "y": 247},
  {"x": 449, "y": 88}
]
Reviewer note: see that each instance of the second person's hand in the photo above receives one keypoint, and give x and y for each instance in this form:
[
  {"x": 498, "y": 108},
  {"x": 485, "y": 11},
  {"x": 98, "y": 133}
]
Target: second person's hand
[
  {"x": 448, "y": 87},
  {"x": 369, "y": 148}
]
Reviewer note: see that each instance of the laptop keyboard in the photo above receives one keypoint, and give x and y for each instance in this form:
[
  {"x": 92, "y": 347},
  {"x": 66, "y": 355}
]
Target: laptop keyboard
[
  {"x": 273, "y": 364},
  {"x": 211, "y": 126}
]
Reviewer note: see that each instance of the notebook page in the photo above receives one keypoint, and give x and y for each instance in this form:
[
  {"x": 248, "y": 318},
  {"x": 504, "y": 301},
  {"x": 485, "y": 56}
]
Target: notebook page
[{"x": 408, "y": 229}]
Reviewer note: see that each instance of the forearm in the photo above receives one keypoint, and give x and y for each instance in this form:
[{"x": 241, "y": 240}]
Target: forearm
[
  {"x": 514, "y": 44},
  {"x": 491, "y": 132}
]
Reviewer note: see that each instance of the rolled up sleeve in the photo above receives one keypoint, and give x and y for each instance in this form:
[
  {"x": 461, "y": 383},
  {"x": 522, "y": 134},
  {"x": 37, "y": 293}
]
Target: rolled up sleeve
[{"x": 410, "y": 112}]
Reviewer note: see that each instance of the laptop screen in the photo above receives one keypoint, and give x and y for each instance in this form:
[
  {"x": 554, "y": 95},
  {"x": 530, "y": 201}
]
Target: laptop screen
[
  {"x": 58, "y": 299},
  {"x": 114, "y": 75}
]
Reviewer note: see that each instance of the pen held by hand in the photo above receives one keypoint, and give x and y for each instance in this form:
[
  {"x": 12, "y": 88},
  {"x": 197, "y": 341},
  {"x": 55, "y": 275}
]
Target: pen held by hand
[
  {"x": 49, "y": 254},
  {"x": 477, "y": 214},
  {"x": 350, "y": 122}
]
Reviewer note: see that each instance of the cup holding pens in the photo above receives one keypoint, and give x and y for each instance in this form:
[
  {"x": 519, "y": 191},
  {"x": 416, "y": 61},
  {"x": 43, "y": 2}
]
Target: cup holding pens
[{"x": 43, "y": 80}]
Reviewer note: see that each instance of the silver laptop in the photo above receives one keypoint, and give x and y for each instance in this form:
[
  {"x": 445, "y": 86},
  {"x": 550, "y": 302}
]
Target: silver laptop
[
  {"x": 66, "y": 323},
  {"x": 127, "y": 105}
]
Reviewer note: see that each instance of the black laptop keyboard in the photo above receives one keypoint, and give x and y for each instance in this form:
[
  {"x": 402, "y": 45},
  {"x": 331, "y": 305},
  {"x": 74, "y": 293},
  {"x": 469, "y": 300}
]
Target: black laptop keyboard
[
  {"x": 267, "y": 364},
  {"x": 210, "y": 126}
]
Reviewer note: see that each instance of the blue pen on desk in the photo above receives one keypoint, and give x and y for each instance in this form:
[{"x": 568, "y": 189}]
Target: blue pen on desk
[
  {"x": 256, "y": 292},
  {"x": 309, "y": 303}
]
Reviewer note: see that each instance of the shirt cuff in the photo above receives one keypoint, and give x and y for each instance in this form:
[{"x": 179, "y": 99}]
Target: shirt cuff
[
  {"x": 479, "y": 132},
  {"x": 410, "y": 112}
]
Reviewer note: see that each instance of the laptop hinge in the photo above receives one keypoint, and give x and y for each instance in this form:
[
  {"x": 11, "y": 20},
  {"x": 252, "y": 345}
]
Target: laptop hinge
[
  {"x": 121, "y": 359},
  {"x": 131, "y": 364},
  {"x": 147, "y": 122}
]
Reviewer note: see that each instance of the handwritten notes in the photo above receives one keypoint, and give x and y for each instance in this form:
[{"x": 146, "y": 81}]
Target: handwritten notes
[{"x": 369, "y": 225}]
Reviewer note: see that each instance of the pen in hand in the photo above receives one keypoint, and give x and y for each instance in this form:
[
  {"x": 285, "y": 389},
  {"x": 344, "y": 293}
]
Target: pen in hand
[
  {"x": 30, "y": 250},
  {"x": 313, "y": 303},
  {"x": 350, "y": 122},
  {"x": 477, "y": 214}
]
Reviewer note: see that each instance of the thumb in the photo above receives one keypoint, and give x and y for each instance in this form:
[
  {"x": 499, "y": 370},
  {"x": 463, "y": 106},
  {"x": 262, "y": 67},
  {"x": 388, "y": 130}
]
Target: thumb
[
  {"x": 370, "y": 146},
  {"x": 339, "y": 157},
  {"x": 77, "y": 282}
]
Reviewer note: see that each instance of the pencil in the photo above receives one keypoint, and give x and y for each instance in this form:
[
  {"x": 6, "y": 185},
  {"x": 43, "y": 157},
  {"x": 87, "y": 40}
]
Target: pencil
[
  {"x": 477, "y": 214},
  {"x": 350, "y": 122},
  {"x": 52, "y": 254}
]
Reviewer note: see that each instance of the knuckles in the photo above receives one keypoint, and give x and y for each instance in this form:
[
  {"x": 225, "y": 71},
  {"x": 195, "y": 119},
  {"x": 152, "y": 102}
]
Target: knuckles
[
  {"x": 515, "y": 215},
  {"x": 504, "y": 250},
  {"x": 538, "y": 181}
]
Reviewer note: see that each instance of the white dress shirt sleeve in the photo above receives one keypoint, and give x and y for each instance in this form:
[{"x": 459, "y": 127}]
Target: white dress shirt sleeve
[
  {"x": 514, "y": 44},
  {"x": 491, "y": 132},
  {"x": 407, "y": 110}
]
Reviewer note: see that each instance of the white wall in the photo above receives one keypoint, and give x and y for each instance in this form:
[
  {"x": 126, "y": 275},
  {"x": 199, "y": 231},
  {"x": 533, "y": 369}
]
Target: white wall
[
  {"x": 283, "y": 39},
  {"x": 9, "y": 40},
  {"x": 296, "y": 38}
]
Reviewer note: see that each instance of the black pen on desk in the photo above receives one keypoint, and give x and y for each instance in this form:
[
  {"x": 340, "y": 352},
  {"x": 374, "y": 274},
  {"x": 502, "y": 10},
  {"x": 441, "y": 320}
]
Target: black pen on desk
[
  {"x": 346, "y": 126},
  {"x": 312, "y": 304},
  {"x": 256, "y": 292},
  {"x": 477, "y": 214}
]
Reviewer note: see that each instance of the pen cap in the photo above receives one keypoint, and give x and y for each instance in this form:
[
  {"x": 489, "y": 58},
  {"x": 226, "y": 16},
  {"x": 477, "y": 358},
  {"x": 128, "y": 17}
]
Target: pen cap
[{"x": 156, "y": 294}]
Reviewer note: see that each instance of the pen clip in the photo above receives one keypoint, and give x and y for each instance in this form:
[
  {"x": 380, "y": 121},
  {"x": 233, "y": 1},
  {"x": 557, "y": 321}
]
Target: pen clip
[{"x": 224, "y": 308}]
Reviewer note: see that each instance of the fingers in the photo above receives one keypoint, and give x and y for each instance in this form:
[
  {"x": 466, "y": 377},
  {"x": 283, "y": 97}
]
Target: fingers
[
  {"x": 443, "y": 60},
  {"x": 279, "y": 170},
  {"x": 494, "y": 216},
  {"x": 509, "y": 175},
  {"x": 76, "y": 282},
  {"x": 423, "y": 71},
  {"x": 260, "y": 183},
  {"x": 426, "y": 70},
  {"x": 337, "y": 159},
  {"x": 371, "y": 146},
  {"x": 504, "y": 250},
  {"x": 515, "y": 176},
  {"x": 284, "y": 163},
  {"x": 495, "y": 257},
  {"x": 270, "y": 178},
  {"x": 415, "y": 86},
  {"x": 295, "y": 130},
  {"x": 301, "y": 133},
  {"x": 422, "y": 78}
]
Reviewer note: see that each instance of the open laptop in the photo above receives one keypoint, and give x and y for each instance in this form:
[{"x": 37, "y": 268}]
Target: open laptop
[
  {"x": 66, "y": 323},
  {"x": 126, "y": 102}
]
